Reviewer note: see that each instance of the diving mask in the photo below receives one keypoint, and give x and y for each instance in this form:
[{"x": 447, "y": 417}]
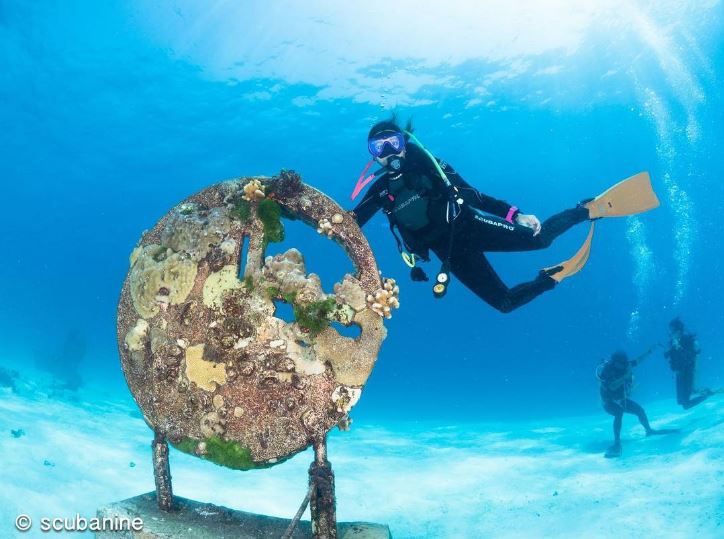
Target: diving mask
[{"x": 385, "y": 144}]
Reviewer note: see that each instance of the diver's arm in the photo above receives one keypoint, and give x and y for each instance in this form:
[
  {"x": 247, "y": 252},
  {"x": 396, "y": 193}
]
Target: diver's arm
[
  {"x": 477, "y": 199},
  {"x": 369, "y": 205},
  {"x": 487, "y": 203},
  {"x": 643, "y": 356}
]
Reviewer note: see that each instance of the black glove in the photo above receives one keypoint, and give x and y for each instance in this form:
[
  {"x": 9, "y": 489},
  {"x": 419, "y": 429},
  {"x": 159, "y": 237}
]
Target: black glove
[{"x": 418, "y": 274}]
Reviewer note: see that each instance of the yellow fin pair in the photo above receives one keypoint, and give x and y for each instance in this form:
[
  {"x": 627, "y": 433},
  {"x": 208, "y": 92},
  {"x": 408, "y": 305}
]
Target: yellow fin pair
[{"x": 628, "y": 197}]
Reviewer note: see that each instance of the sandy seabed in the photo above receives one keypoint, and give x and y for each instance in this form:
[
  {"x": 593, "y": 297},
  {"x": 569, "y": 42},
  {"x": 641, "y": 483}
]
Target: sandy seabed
[{"x": 542, "y": 479}]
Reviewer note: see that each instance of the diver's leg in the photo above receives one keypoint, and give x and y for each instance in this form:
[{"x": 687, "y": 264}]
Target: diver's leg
[
  {"x": 617, "y": 412},
  {"x": 497, "y": 234},
  {"x": 684, "y": 387},
  {"x": 632, "y": 407},
  {"x": 696, "y": 400},
  {"x": 617, "y": 422},
  {"x": 635, "y": 408},
  {"x": 680, "y": 396},
  {"x": 687, "y": 388},
  {"x": 474, "y": 271},
  {"x": 559, "y": 223}
]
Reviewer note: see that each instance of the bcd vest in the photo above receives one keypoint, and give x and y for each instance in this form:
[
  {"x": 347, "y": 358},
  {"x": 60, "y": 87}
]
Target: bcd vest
[{"x": 410, "y": 202}]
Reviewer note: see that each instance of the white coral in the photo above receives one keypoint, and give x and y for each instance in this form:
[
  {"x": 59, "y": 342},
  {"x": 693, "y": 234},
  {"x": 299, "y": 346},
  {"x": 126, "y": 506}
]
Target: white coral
[
  {"x": 253, "y": 191},
  {"x": 350, "y": 292},
  {"x": 385, "y": 299},
  {"x": 288, "y": 272},
  {"x": 325, "y": 227}
]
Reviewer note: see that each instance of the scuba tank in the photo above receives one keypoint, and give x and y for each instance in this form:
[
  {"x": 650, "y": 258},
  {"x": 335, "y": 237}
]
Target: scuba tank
[{"x": 453, "y": 209}]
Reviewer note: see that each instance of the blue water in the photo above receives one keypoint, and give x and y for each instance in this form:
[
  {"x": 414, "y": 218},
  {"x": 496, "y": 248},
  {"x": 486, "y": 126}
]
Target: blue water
[{"x": 112, "y": 112}]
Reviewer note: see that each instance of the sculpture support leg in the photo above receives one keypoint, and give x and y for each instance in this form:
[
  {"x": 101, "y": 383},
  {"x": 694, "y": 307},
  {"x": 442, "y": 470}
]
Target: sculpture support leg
[
  {"x": 162, "y": 472},
  {"x": 322, "y": 502}
]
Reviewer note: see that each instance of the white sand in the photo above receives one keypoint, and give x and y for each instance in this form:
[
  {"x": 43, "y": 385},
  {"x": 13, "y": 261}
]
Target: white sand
[{"x": 424, "y": 480}]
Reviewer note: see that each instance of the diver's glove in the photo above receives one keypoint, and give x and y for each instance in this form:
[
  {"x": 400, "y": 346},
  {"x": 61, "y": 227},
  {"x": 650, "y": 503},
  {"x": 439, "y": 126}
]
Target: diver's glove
[
  {"x": 454, "y": 203},
  {"x": 418, "y": 274}
]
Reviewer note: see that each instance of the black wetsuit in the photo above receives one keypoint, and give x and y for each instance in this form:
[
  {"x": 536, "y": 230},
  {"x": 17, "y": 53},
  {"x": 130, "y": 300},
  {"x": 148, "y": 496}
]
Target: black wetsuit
[
  {"x": 682, "y": 355},
  {"x": 416, "y": 199},
  {"x": 616, "y": 380}
]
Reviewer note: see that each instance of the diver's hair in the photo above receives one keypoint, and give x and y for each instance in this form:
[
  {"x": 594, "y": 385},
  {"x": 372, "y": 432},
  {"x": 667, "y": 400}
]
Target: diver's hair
[
  {"x": 390, "y": 124},
  {"x": 619, "y": 356}
]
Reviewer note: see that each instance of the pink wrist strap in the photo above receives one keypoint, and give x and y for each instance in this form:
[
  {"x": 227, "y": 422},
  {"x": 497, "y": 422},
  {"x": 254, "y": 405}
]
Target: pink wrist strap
[{"x": 511, "y": 213}]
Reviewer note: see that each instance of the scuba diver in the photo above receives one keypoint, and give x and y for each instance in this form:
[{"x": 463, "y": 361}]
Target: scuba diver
[
  {"x": 682, "y": 353},
  {"x": 434, "y": 209},
  {"x": 616, "y": 377}
]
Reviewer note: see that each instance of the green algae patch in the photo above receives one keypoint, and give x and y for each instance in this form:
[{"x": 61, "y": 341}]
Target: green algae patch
[
  {"x": 269, "y": 213},
  {"x": 187, "y": 445},
  {"x": 249, "y": 283},
  {"x": 273, "y": 293},
  {"x": 241, "y": 210},
  {"x": 225, "y": 453},
  {"x": 314, "y": 317},
  {"x": 229, "y": 454}
]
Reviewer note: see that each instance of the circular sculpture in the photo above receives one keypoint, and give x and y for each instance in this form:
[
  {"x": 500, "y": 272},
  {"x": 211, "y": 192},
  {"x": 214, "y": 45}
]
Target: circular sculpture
[{"x": 208, "y": 363}]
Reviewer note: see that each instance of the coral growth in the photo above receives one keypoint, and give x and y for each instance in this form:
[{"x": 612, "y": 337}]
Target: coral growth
[
  {"x": 219, "y": 284},
  {"x": 349, "y": 292},
  {"x": 253, "y": 191},
  {"x": 345, "y": 423},
  {"x": 287, "y": 184},
  {"x": 326, "y": 226},
  {"x": 288, "y": 273},
  {"x": 385, "y": 299},
  {"x": 196, "y": 233},
  {"x": 160, "y": 277},
  {"x": 136, "y": 338},
  {"x": 344, "y": 398},
  {"x": 205, "y": 374}
]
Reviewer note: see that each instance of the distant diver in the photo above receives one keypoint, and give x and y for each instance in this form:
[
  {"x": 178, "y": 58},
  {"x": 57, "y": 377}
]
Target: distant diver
[
  {"x": 434, "y": 209},
  {"x": 682, "y": 354},
  {"x": 616, "y": 377}
]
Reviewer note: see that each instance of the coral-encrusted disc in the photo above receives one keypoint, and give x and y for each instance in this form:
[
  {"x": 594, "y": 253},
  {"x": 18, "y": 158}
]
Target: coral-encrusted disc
[{"x": 206, "y": 359}]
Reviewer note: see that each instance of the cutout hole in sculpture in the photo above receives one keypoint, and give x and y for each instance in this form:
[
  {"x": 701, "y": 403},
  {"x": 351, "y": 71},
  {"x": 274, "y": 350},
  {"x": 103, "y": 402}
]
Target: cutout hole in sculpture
[
  {"x": 283, "y": 311},
  {"x": 330, "y": 262},
  {"x": 242, "y": 256}
]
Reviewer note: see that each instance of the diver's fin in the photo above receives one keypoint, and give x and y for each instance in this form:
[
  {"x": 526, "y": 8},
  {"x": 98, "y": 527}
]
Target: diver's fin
[
  {"x": 613, "y": 451},
  {"x": 574, "y": 264},
  {"x": 627, "y": 197},
  {"x": 654, "y": 432}
]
